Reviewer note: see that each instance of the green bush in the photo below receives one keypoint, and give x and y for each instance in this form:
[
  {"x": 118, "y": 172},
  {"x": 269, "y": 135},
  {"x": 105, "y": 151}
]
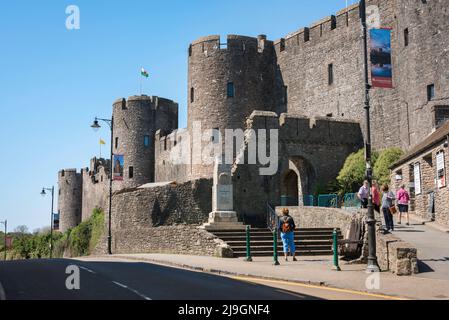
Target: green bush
[
  {"x": 79, "y": 241},
  {"x": 352, "y": 174},
  {"x": 386, "y": 159}
]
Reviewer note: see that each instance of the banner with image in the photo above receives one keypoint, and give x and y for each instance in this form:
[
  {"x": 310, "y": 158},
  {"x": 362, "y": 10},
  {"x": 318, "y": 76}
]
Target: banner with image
[
  {"x": 380, "y": 54},
  {"x": 119, "y": 162},
  {"x": 56, "y": 221}
]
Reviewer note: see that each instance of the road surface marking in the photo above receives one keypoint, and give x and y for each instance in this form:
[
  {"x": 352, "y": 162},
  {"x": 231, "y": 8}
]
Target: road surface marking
[
  {"x": 255, "y": 280},
  {"x": 131, "y": 289},
  {"x": 88, "y": 270},
  {"x": 2, "y": 293}
]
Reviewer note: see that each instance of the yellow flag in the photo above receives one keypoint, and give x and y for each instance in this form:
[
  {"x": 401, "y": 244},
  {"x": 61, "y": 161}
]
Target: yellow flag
[{"x": 102, "y": 142}]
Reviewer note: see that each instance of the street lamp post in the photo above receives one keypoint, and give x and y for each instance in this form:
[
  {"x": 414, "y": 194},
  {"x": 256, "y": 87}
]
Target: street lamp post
[
  {"x": 6, "y": 230},
  {"x": 96, "y": 126},
  {"x": 371, "y": 221},
  {"x": 43, "y": 193}
]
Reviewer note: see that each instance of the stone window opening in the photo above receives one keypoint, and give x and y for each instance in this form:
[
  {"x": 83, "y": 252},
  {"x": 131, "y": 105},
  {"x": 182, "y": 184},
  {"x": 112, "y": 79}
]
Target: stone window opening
[
  {"x": 62, "y": 173},
  {"x": 282, "y": 45},
  {"x": 306, "y": 34},
  {"x": 146, "y": 141},
  {"x": 230, "y": 90},
  {"x": 430, "y": 92},
  {"x": 116, "y": 142},
  {"x": 441, "y": 115},
  {"x": 165, "y": 144},
  {"x": 190, "y": 50},
  {"x": 406, "y": 37},
  {"x": 330, "y": 74},
  {"x": 131, "y": 172},
  {"x": 333, "y": 22},
  {"x": 192, "y": 95}
]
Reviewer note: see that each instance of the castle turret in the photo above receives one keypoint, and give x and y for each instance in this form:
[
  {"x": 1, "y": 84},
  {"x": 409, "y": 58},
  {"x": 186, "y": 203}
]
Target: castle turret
[
  {"x": 70, "y": 185},
  {"x": 228, "y": 82},
  {"x": 136, "y": 121}
]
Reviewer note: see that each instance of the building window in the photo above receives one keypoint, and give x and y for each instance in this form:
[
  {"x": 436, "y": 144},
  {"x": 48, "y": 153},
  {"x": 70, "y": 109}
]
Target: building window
[
  {"x": 406, "y": 37},
  {"x": 192, "y": 95},
  {"x": 430, "y": 92},
  {"x": 306, "y": 34},
  {"x": 231, "y": 90},
  {"x": 330, "y": 74},
  {"x": 131, "y": 172},
  {"x": 146, "y": 141},
  {"x": 441, "y": 115},
  {"x": 333, "y": 22},
  {"x": 116, "y": 142}
]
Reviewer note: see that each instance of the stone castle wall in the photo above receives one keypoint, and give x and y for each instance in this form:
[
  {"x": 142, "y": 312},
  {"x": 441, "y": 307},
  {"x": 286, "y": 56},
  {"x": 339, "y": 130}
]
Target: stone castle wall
[
  {"x": 69, "y": 198},
  {"x": 401, "y": 116},
  {"x": 95, "y": 187},
  {"x": 135, "y": 120},
  {"x": 303, "y": 144}
]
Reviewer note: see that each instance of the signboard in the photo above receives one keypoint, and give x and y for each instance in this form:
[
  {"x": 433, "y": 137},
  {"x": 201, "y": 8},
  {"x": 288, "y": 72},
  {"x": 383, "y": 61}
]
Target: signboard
[
  {"x": 117, "y": 173},
  {"x": 8, "y": 242},
  {"x": 56, "y": 221},
  {"x": 441, "y": 170},
  {"x": 380, "y": 54},
  {"x": 417, "y": 174}
]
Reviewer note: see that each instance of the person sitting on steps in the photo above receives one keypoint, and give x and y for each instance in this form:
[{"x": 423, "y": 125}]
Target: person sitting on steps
[{"x": 287, "y": 230}]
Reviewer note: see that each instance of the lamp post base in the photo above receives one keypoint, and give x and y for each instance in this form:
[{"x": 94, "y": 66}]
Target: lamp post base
[
  {"x": 109, "y": 245},
  {"x": 372, "y": 268}
]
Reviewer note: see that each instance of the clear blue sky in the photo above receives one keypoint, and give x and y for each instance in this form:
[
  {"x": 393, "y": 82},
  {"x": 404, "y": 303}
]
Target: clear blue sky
[{"x": 53, "y": 82}]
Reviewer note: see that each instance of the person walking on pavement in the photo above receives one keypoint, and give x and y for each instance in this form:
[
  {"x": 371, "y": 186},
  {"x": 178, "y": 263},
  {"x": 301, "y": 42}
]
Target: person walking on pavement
[
  {"x": 363, "y": 194},
  {"x": 376, "y": 196},
  {"x": 287, "y": 230},
  {"x": 388, "y": 207},
  {"x": 403, "y": 198}
]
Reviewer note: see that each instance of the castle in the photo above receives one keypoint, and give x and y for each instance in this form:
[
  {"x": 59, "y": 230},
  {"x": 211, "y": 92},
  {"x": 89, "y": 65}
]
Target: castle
[{"x": 309, "y": 86}]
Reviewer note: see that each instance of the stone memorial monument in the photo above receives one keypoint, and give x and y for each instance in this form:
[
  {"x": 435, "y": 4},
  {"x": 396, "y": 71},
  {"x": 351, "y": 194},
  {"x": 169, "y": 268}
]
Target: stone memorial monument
[{"x": 223, "y": 216}]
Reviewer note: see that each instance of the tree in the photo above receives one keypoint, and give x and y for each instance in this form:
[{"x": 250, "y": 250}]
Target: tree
[
  {"x": 352, "y": 174},
  {"x": 386, "y": 159},
  {"x": 21, "y": 229}
]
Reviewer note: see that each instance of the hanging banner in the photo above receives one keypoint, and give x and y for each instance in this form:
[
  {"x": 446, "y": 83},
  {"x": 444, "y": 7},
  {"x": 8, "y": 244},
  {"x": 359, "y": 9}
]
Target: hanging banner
[
  {"x": 417, "y": 176},
  {"x": 119, "y": 161},
  {"x": 56, "y": 221},
  {"x": 380, "y": 53},
  {"x": 441, "y": 172}
]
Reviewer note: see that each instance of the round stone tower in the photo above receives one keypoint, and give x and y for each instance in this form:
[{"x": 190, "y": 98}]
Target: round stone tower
[
  {"x": 70, "y": 185},
  {"x": 136, "y": 121},
  {"x": 227, "y": 82}
]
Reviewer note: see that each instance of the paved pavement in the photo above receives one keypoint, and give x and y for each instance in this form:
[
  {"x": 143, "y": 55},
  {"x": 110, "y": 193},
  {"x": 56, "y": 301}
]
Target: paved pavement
[
  {"x": 433, "y": 249},
  {"x": 120, "y": 279},
  {"x": 315, "y": 272}
]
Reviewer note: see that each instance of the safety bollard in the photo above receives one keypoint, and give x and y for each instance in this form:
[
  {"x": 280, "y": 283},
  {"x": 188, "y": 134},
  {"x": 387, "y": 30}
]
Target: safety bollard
[
  {"x": 275, "y": 248},
  {"x": 335, "y": 249},
  {"x": 248, "y": 244}
]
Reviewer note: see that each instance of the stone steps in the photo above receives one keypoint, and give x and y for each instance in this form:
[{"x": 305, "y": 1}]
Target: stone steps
[{"x": 309, "y": 242}]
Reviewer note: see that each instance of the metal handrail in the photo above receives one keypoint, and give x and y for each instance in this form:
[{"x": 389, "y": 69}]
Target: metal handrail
[{"x": 272, "y": 218}]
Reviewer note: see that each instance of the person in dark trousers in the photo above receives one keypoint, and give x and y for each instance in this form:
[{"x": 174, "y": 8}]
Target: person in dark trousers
[
  {"x": 388, "y": 198},
  {"x": 363, "y": 194},
  {"x": 287, "y": 230}
]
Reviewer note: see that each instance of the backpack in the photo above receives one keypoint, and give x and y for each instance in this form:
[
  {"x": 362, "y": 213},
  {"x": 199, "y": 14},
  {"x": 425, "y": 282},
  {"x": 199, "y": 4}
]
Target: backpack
[{"x": 286, "y": 227}]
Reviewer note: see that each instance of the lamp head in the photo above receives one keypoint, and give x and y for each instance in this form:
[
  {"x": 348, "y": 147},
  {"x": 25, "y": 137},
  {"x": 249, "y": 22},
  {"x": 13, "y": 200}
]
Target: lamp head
[
  {"x": 43, "y": 193},
  {"x": 95, "y": 125}
]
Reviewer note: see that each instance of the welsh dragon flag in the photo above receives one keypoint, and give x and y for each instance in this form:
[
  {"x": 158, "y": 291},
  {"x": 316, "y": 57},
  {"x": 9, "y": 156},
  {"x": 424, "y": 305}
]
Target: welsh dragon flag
[{"x": 144, "y": 73}]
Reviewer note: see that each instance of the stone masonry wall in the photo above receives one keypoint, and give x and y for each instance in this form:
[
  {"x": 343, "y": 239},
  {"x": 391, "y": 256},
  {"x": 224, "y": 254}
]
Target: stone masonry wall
[
  {"x": 164, "y": 205},
  {"x": 427, "y": 161}
]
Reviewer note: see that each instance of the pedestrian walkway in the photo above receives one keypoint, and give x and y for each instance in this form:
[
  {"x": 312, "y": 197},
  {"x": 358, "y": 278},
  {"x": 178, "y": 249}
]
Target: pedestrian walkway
[
  {"x": 433, "y": 249},
  {"x": 308, "y": 270}
]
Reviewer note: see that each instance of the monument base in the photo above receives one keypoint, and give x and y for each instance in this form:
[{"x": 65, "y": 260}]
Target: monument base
[{"x": 223, "y": 220}]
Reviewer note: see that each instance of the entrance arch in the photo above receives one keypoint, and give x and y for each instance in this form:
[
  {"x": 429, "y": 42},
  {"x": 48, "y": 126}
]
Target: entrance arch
[
  {"x": 289, "y": 189},
  {"x": 297, "y": 181}
]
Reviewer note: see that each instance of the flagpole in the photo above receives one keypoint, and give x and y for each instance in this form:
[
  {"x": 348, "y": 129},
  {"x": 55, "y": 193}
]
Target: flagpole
[{"x": 140, "y": 80}]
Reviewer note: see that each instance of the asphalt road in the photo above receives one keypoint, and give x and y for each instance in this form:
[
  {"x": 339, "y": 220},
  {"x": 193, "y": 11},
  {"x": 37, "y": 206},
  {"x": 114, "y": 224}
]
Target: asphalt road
[{"x": 46, "y": 280}]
